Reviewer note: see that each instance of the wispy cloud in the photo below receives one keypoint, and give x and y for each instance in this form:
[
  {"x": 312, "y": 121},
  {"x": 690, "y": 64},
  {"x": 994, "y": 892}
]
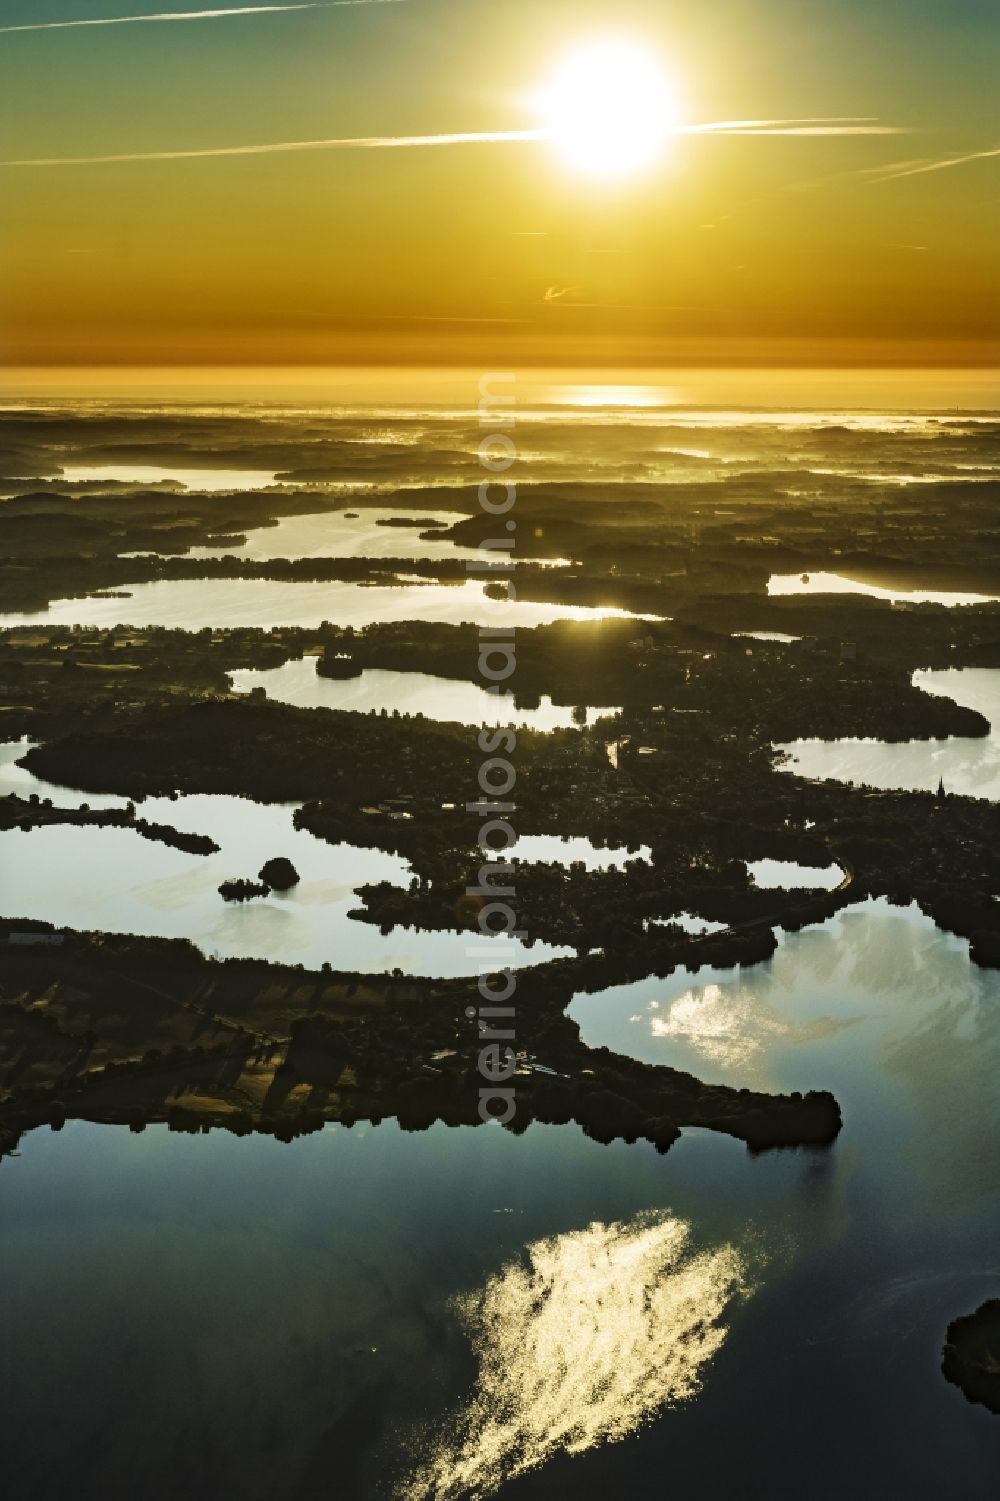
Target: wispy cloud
[
  {"x": 640, "y": 307},
  {"x": 454, "y": 138},
  {"x": 191, "y": 15},
  {"x": 340, "y": 318},
  {"x": 566, "y": 297},
  {"x": 441, "y": 318}
]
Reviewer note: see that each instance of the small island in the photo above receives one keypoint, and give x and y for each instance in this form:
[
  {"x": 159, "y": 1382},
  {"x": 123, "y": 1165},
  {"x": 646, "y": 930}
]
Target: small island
[
  {"x": 242, "y": 890},
  {"x": 971, "y": 1357},
  {"x": 280, "y": 874}
]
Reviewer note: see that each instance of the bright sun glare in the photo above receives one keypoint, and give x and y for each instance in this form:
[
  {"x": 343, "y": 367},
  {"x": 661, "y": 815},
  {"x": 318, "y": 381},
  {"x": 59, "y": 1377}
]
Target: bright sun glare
[{"x": 608, "y": 109}]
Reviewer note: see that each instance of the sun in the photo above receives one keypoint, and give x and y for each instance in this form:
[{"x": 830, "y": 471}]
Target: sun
[{"x": 607, "y": 109}]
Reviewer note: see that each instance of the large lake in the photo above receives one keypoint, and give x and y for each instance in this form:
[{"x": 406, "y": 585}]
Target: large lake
[
  {"x": 456, "y": 1313},
  {"x": 192, "y": 604},
  {"x": 965, "y": 764},
  {"x": 87, "y": 877},
  {"x": 449, "y": 699},
  {"x": 184, "y": 477},
  {"x": 349, "y": 534},
  {"x": 380, "y": 1314}
]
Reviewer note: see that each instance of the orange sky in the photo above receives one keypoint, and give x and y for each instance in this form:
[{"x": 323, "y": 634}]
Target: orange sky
[{"x": 838, "y": 249}]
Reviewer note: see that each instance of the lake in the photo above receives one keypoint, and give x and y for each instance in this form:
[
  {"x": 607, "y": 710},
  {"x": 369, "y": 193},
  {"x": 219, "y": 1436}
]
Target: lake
[
  {"x": 192, "y": 604},
  {"x": 184, "y": 477},
  {"x": 781, "y": 636},
  {"x": 136, "y": 885},
  {"x": 20, "y": 781},
  {"x": 447, "y": 699},
  {"x": 836, "y": 583},
  {"x": 966, "y": 765},
  {"x": 557, "y": 849},
  {"x": 372, "y": 1314},
  {"x": 451, "y": 1312},
  {"x": 788, "y": 875},
  {"x": 349, "y": 534}
]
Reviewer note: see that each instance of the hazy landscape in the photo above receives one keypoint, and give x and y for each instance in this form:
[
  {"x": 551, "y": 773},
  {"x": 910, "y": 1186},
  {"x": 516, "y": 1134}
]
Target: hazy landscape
[
  {"x": 720, "y": 947},
  {"x": 499, "y": 750}
]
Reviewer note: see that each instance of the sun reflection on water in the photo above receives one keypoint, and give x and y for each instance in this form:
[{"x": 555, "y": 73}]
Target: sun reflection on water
[{"x": 578, "y": 1344}]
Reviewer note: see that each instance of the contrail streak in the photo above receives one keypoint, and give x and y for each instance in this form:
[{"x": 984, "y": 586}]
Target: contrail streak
[
  {"x": 456, "y": 138},
  {"x": 192, "y": 15},
  {"x": 342, "y": 143},
  {"x": 914, "y": 166},
  {"x": 805, "y": 130},
  {"x": 843, "y": 125},
  {"x": 939, "y": 164}
]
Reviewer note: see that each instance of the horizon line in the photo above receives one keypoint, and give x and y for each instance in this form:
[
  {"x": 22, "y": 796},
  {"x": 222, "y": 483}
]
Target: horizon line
[{"x": 780, "y": 361}]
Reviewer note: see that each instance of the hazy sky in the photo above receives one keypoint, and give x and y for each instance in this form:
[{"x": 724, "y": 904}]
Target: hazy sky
[{"x": 727, "y": 247}]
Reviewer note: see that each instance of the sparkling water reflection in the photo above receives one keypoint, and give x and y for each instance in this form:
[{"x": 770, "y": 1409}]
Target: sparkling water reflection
[
  {"x": 193, "y": 604},
  {"x": 578, "y": 1344}
]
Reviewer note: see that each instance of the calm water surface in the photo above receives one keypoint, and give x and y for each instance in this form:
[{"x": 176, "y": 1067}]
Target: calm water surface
[
  {"x": 836, "y": 583},
  {"x": 370, "y": 1313},
  {"x": 192, "y": 604},
  {"x": 572, "y": 849},
  {"x": 345, "y": 534},
  {"x": 767, "y": 636},
  {"x": 349, "y": 534},
  {"x": 136, "y": 885},
  {"x": 87, "y": 877},
  {"x": 378, "y": 688},
  {"x": 966, "y": 765},
  {"x": 185, "y": 476},
  {"x": 458, "y": 1312},
  {"x": 788, "y": 875}
]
